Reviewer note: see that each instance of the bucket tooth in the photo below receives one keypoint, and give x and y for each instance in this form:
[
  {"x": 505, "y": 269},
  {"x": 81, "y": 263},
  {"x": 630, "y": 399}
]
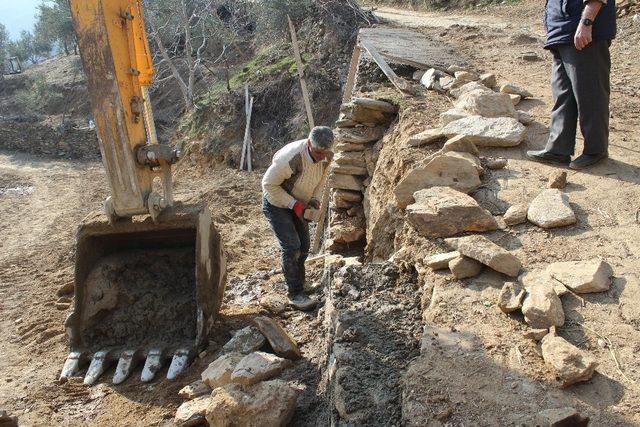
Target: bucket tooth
[
  {"x": 72, "y": 364},
  {"x": 181, "y": 359},
  {"x": 99, "y": 364},
  {"x": 126, "y": 364},
  {"x": 152, "y": 365}
]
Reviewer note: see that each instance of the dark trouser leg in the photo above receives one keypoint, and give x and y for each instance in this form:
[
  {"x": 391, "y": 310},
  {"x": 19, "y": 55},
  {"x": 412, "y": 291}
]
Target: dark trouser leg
[
  {"x": 564, "y": 116},
  {"x": 284, "y": 226},
  {"x": 302, "y": 228},
  {"x": 589, "y": 71}
]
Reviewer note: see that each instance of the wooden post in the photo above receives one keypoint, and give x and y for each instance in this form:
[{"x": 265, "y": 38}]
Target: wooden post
[
  {"x": 303, "y": 82},
  {"x": 346, "y": 97},
  {"x": 246, "y": 143},
  {"x": 401, "y": 84}
]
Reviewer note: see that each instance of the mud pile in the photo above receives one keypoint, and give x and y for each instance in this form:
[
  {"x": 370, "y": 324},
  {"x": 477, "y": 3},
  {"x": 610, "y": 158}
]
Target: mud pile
[{"x": 141, "y": 298}]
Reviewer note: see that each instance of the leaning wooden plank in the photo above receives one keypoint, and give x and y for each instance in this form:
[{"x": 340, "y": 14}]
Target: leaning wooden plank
[
  {"x": 244, "y": 142},
  {"x": 401, "y": 84},
  {"x": 248, "y": 136},
  {"x": 351, "y": 77},
  {"x": 303, "y": 81}
]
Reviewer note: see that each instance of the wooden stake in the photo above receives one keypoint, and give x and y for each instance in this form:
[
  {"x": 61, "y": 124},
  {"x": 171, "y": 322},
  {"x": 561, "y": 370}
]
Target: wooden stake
[
  {"x": 246, "y": 144},
  {"x": 401, "y": 84},
  {"x": 303, "y": 82}
]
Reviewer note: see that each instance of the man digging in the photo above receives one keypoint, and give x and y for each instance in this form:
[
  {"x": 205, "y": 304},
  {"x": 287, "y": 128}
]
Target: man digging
[
  {"x": 293, "y": 183},
  {"x": 579, "y": 33}
]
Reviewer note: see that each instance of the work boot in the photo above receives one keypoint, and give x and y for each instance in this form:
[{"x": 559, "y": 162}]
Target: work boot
[
  {"x": 544, "y": 156},
  {"x": 586, "y": 160},
  {"x": 300, "y": 301}
]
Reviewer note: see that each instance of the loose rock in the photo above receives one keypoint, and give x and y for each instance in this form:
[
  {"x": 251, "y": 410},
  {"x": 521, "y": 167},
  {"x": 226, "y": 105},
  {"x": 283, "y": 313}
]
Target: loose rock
[
  {"x": 511, "y": 297},
  {"x": 561, "y": 417},
  {"x": 583, "y": 276},
  {"x": 441, "y": 261},
  {"x": 488, "y": 132},
  {"x": 274, "y": 303},
  {"x": 218, "y": 373},
  {"x": 427, "y": 137},
  {"x": 551, "y": 209},
  {"x": 515, "y": 99},
  {"x": 535, "y": 334},
  {"x": 193, "y": 390},
  {"x": 463, "y": 267},
  {"x": 525, "y": 118},
  {"x": 66, "y": 289},
  {"x": 7, "y": 420},
  {"x": 571, "y": 364},
  {"x": 245, "y": 341},
  {"x": 431, "y": 77},
  {"x": 489, "y": 80},
  {"x": 444, "y": 212},
  {"x": 280, "y": 341},
  {"x": 495, "y": 164},
  {"x": 469, "y": 87},
  {"x": 510, "y": 88},
  {"x": 258, "y": 366},
  {"x": 484, "y": 250},
  {"x": 486, "y": 103},
  {"x": 516, "y": 214},
  {"x": 466, "y": 76},
  {"x": 192, "y": 412},
  {"x": 460, "y": 144},
  {"x": 542, "y": 308},
  {"x": 447, "y": 170},
  {"x": 557, "y": 179},
  {"x": 267, "y": 404}
]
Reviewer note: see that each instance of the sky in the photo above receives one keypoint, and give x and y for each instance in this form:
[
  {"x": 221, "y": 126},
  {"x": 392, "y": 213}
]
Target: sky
[{"x": 18, "y": 15}]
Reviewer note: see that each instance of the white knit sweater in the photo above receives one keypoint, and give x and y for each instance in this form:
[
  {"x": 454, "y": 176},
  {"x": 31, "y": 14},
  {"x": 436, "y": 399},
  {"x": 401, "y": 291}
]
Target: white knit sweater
[{"x": 293, "y": 175}]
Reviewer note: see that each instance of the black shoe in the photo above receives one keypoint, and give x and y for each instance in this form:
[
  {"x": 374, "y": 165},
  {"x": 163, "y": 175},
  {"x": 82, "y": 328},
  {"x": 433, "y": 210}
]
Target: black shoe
[
  {"x": 302, "y": 302},
  {"x": 546, "y": 157},
  {"x": 586, "y": 160}
]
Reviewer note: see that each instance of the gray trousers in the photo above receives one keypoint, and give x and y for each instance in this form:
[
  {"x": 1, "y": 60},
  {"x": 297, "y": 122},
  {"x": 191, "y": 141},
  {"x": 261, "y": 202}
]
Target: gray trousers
[{"x": 581, "y": 91}]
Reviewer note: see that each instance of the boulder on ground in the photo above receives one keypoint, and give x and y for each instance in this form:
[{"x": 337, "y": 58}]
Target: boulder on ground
[
  {"x": 525, "y": 118},
  {"x": 561, "y": 417},
  {"x": 536, "y": 278},
  {"x": 258, "y": 366},
  {"x": 542, "y": 308},
  {"x": 516, "y": 214},
  {"x": 515, "y": 99},
  {"x": 281, "y": 342},
  {"x": 582, "y": 276},
  {"x": 464, "y": 267},
  {"x": 536, "y": 334},
  {"x": 571, "y": 364},
  {"x": 511, "y": 297},
  {"x": 496, "y": 163},
  {"x": 451, "y": 116},
  {"x": 510, "y": 88},
  {"x": 469, "y": 87},
  {"x": 460, "y": 144},
  {"x": 484, "y": 250},
  {"x": 488, "y": 132},
  {"x": 276, "y": 304},
  {"x": 452, "y": 69},
  {"x": 446, "y": 170},
  {"x": 431, "y": 77},
  {"x": 195, "y": 389},
  {"x": 218, "y": 373},
  {"x": 444, "y": 212},
  {"x": 245, "y": 341},
  {"x": 192, "y": 412},
  {"x": 266, "y": 404},
  {"x": 489, "y": 80},
  {"x": 466, "y": 76},
  {"x": 427, "y": 137},
  {"x": 345, "y": 182},
  {"x": 441, "y": 261},
  {"x": 557, "y": 179},
  {"x": 551, "y": 209},
  {"x": 486, "y": 103}
]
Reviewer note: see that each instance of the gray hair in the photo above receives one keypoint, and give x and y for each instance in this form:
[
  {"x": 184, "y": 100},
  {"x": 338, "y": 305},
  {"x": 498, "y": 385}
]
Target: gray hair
[{"x": 321, "y": 137}]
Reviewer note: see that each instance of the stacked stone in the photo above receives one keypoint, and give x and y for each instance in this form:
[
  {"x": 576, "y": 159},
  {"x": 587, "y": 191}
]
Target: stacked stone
[{"x": 362, "y": 123}]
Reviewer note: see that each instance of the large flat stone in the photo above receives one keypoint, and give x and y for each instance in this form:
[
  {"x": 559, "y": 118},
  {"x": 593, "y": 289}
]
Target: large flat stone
[
  {"x": 446, "y": 170},
  {"x": 258, "y": 366},
  {"x": 469, "y": 87},
  {"x": 280, "y": 340},
  {"x": 245, "y": 341},
  {"x": 345, "y": 182},
  {"x": 488, "y": 132},
  {"x": 218, "y": 373},
  {"x": 551, "y": 209},
  {"x": 480, "y": 102},
  {"x": 428, "y": 136},
  {"x": 583, "y": 276},
  {"x": 359, "y": 135},
  {"x": 464, "y": 267},
  {"x": 484, "y": 250},
  {"x": 441, "y": 261},
  {"x": 192, "y": 412},
  {"x": 571, "y": 364},
  {"x": 542, "y": 308},
  {"x": 444, "y": 212},
  {"x": 350, "y": 159}
]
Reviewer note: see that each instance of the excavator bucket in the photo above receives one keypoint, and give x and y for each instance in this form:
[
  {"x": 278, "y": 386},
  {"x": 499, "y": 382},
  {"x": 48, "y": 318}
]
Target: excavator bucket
[{"x": 146, "y": 293}]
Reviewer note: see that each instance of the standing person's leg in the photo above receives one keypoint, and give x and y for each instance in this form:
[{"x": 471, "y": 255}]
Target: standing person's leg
[
  {"x": 589, "y": 70},
  {"x": 302, "y": 228},
  {"x": 282, "y": 224},
  {"x": 564, "y": 116}
]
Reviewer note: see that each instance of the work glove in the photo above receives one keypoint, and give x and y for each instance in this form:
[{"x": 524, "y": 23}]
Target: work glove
[{"x": 298, "y": 209}]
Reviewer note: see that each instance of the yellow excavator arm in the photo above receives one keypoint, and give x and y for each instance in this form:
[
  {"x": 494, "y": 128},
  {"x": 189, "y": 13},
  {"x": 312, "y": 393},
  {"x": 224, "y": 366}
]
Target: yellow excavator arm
[{"x": 117, "y": 60}]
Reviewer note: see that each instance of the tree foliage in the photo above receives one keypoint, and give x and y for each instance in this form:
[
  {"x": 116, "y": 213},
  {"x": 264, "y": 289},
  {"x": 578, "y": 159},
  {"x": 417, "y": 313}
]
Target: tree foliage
[
  {"x": 4, "y": 39},
  {"x": 54, "y": 25}
]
